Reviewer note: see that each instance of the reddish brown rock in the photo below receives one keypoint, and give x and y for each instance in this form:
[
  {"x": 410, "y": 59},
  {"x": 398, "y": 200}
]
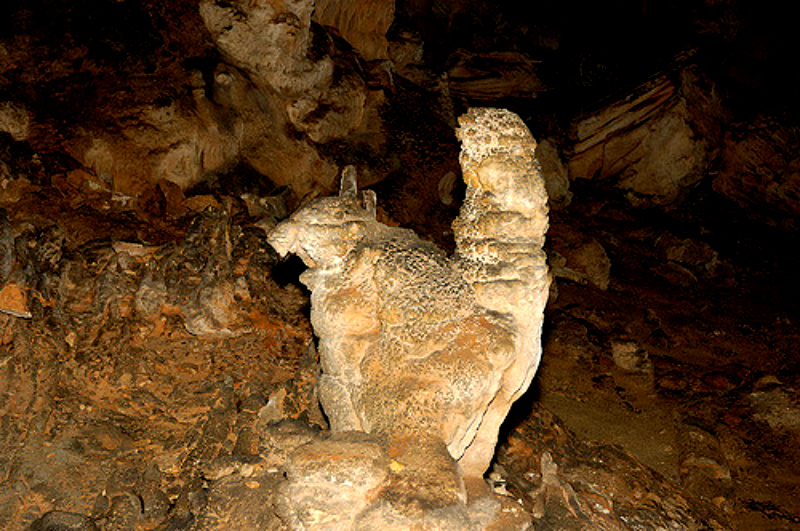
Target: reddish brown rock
[
  {"x": 761, "y": 168},
  {"x": 14, "y": 301}
]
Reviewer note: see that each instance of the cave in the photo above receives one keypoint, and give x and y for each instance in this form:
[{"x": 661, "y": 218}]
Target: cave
[{"x": 158, "y": 365}]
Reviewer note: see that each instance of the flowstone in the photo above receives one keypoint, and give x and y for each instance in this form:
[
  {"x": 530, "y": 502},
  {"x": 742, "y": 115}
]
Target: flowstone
[{"x": 426, "y": 353}]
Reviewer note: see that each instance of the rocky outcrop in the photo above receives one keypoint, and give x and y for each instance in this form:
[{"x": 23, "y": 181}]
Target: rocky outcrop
[
  {"x": 273, "y": 43},
  {"x": 270, "y": 41},
  {"x": 256, "y": 121},
  {"x": 427, "y": 353},
  {"x": 361, "y": 23},
  {"x": 761, "y": 169},
  {"x": 655, "y": 143},
  {"x": 156, "y": 142},
  {"x": 279, "y": 92},
  {"x": 492, "y": 76}
]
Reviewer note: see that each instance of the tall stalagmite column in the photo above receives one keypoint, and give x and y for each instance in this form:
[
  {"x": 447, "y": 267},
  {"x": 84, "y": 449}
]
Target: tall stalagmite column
[{"x": 425, "y": 352}]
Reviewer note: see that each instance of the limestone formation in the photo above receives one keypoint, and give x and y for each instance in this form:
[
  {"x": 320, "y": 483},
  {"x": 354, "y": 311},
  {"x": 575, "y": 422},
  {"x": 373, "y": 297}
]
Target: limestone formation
[
  {"x": 423, "y": 351},
  {"x": 363, "y": 24},
  {"x": 761, "y": 169},
  {"x": 556, "y": 176},
  {"x": 14, "y": 120},
  {"x": 656, "y": 143},
  {"x": 272, "y": 41}
]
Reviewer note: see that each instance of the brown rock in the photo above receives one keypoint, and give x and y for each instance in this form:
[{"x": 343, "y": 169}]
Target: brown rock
[
  {"x": 87, "y": 182},
  {"x": 556, "y": 176},
  {"x": 14, "y": 120},
  {"x": 579, "y": 258},
  {"x": 362, "y": 23},
  {"x": 549, "y": 469},
  {"x": 656, "y": 143},
  {"x": 14, "y": 301},
  {"x": 488, "y": 77},
  {"x": 761, "y": 168},
  {"x": 700, "y": 257},
  {"x": 157, "y": 142}
]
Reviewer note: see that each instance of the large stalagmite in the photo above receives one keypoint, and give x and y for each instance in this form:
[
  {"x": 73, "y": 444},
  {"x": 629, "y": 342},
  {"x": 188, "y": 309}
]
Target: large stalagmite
[{"x": 423, "y": 351}]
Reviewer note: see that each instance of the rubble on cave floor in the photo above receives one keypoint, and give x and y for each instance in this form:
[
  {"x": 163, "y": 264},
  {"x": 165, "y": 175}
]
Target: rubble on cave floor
[{"x": 156, "y": 373}]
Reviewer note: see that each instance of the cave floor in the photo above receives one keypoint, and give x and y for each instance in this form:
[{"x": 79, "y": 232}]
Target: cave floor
[{"x": 669, "y": 385}]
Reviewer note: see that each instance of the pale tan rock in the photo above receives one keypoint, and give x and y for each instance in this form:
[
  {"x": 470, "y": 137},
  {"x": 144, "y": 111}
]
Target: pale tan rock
[
  {"x": 270, "y": 40},
  {"x": 655, "y": 143},
  {"x": 250, "y": 110},
  {"x": 181, "y": 145},
  {"x": 428, "y": 352},
  {"x": 14, "y": 120},
  {"x": 505, "y": 264},
  {"x": 331, "y": 481},
  {"x": 150, "y": 298}
]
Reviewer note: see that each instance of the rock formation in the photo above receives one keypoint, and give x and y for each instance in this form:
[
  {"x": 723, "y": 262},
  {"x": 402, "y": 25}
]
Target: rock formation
[
  {"x": 656, "y": 143},
  {"x": 760, "y": 169},
  {"x": 425, "y": 352},
  {"x": 273, "y": 43},
  {"x": 362, "y": 24}
]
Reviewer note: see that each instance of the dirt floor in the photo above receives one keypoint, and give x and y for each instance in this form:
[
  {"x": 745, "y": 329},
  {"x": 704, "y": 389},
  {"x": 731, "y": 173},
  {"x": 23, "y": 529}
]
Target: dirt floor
[{"x": 154, "y": 374}]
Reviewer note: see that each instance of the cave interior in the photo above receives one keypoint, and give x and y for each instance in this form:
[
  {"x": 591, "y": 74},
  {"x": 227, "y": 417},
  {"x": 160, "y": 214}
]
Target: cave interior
[{"x": 157, "y": 360}]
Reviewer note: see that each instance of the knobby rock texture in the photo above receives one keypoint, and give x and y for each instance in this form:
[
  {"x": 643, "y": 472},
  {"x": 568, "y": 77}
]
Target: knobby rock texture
[{"x": 422, "y": 351}]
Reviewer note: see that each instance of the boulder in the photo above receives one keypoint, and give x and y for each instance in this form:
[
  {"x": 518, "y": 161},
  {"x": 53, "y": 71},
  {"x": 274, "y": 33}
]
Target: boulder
[
  {"x": 579, "y": 257},
  {"x": 330, "y": 481},
  {"x": 655, "y": 143}
]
